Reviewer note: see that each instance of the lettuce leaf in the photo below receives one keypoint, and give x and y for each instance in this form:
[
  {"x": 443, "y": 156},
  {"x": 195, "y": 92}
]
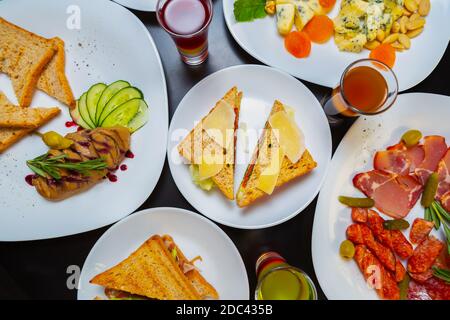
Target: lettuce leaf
[{"x": 249, "y": 10}]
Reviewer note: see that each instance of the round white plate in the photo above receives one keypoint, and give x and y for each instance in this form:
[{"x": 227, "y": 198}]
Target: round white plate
[
  {"x": 221, "y": 264},
  {"x": 341, "y": 279},
  {"x": 100, "y": 51},
  {"x": 326, "y": 63},
  {"x": 260, "y": 86},
  {"x": 141, "y": 5}
]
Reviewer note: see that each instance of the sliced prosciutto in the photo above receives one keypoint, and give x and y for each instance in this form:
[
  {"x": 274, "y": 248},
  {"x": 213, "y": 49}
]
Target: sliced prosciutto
[
  {"x": 392, "y": 161},
  {"x": 445, "y": 200},
  {"x": 415, "y": 154},
  {"x": 394, "y": 195},
  {"x": 443, "y": 171},
  {"x": 435, "y": 149}
]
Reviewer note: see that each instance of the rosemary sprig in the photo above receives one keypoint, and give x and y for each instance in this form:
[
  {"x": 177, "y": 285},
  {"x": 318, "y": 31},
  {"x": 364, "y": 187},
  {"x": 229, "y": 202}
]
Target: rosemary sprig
[
  {"x": 437, "y": 214},
  {"x": 45, "y": 166},
  {"x": 442, "y": 274}
]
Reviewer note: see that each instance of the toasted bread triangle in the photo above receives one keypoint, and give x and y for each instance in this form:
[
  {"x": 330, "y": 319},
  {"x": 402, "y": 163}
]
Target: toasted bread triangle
[
  {"x": 203, "y": 287},
  {"x": 248, "y": 191},
  {"x": 151, "y": 272},
  {"x": 224, "y": 180},
  {"x": 53, "y": 79},
  {"x": 23, "y": 56},
  {"x": 9, "y": 136}
]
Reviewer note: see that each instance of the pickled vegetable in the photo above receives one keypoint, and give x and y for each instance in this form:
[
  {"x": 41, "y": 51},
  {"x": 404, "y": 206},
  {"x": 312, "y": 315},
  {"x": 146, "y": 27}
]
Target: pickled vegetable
[
  {"x": 430, "y": 190},
  {"x": 396, "y": 224},
  {"x": 357, "y": 202},
  {"x": 56, "y": 141},
  {"x": 403, "y": 286},
  {"x": 411, "y": 138},
  {"x": 347, "y": 249}
]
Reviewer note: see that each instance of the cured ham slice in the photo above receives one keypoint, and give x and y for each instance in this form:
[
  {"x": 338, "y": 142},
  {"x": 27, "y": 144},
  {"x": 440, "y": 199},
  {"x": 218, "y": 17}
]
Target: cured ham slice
[
  {"x": 445, "y": 200},
  {"x": 394, "y": 195},
  {"x": 425, "y": 255},
  {"x": 444, "y": 175},
  {"x": 361, "y": 234},
  {"x": 372, "y": 269},
  {"x": 434, "y": 148},
  {"x": 359, "y": 215},
  {"x": 420, "y": 230},
  {"x": 393, "y": 239},
  {"x": 392, "y": 161},
  {"x": 415, "y": 154}
]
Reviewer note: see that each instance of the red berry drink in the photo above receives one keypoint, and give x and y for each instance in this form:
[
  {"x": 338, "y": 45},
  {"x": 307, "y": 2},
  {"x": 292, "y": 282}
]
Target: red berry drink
[{"x": 187, "y": 22}]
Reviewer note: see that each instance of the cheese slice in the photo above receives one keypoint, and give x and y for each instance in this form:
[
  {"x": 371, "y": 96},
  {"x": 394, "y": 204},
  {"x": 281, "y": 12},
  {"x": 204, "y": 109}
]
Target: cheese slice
[
  {"x": 219, "y": 124},
  {"x": 303, "y": 14},
  {"x": 285, "y": 17},
  {"x": 315, "y": 6},
  {"x": 269, "y": 176},
  {"x": 209, "y": 167},
  {"x": 290, "y": 137}
]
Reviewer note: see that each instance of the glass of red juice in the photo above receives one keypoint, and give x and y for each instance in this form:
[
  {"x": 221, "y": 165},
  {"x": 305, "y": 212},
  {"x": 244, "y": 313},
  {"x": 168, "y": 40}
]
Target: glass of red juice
[{"x": 187, "y": 22}]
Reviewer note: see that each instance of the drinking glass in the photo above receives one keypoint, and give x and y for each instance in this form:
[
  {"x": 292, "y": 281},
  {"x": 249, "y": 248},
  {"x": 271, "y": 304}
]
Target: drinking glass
[
  {"x": 188, "y": 26},
  {"x": 338, "y": 105}
]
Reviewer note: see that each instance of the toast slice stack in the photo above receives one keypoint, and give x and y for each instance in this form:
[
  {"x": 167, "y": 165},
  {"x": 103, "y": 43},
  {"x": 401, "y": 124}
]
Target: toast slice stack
[
  {"x": 153, "y": 271},
  {"x": 16, "y": 122},
  {"x": 248, "y": 191},
  {"x": 198, "y": 140},
  {"x": 33, "y": 61}
]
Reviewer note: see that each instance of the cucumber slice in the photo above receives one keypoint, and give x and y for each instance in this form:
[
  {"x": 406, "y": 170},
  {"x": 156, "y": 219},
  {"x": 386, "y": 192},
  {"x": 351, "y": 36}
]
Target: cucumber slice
[
  {"x": 107, "y": 94},
  {"x": 140, "y": 118},
  {"x": 119, "y": 98},
  {"x": 75, "y": 114},
  {"x": 82, "y": 107},
  {"x": 123, "y": 114},
  {"x": 93, "y": 95}
]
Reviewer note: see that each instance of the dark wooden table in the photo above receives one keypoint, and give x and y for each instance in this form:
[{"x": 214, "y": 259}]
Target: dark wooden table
[{"x": 38, "y": 269}]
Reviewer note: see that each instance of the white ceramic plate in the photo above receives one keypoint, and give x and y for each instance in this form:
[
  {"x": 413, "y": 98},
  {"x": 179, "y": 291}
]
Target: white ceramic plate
[
  {"x": 260, "y": 86},
  {"x": 222, "y": 265},
  {"x": 340, "y": 279},
  {"x": 326, "y": 63},
  {"x": 100, "y": 51},
  {"x": 141, "y": 5}
]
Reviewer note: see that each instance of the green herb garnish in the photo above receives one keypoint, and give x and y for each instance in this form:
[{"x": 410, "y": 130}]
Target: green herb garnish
[
  {"x": 249, "y": 10},
  {"x": 437, "y": 214},
  {"x": 46, "y": 166},
  {"x": 442, "y": 274}
]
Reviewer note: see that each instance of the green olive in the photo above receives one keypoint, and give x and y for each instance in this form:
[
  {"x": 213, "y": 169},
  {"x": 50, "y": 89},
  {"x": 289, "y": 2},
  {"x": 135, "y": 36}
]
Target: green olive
[
  {"x": 357, "y": 202},
  {"x": 56, "y": 141},
  {"x": 347, "y": 249},
  {"x": 411, "y": 137}
]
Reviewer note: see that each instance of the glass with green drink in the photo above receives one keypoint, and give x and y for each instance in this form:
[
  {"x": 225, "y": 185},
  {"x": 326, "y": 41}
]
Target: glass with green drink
[{"x": 277, "y": 280}]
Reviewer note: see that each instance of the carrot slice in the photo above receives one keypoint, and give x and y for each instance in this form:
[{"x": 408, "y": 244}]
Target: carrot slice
[
  {"x": 384, "y": 53},
  {"x": 327, "y": 4},
  {"x": 320, "y": 29},
  {"x": 298, "y": 44}
]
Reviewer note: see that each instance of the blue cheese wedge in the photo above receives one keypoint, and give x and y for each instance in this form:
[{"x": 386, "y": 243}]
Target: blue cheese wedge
[
  {"x": 285, "y": 17},
  {"x": 303, "y": 14},
  {"x": 374, "y": 19}
]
